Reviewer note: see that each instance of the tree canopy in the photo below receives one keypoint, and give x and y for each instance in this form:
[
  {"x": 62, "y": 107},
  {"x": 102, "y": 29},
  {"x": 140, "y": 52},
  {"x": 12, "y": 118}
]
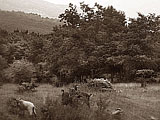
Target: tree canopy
[{"x": 97, "y": 41}]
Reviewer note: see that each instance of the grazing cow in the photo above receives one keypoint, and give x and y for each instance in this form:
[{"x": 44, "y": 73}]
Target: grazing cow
[
  {"x": 26, "y": 105},
  {"x": 65, "y": 98},
  {"x": 73, "y": 91},
  {"x": 21, "y": 89},
  {"x": 100, "y": 83},
  {"x": 84, "y": 98},
  {"x": 70, "y": 98},
  {"x": 75, "y": 97}
]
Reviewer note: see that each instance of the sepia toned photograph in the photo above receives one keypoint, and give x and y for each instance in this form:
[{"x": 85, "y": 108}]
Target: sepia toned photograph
[{"x": 79, "y": 60}]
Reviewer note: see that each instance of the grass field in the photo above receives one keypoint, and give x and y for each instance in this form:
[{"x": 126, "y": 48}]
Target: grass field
[{"x": 137, "y": 103}]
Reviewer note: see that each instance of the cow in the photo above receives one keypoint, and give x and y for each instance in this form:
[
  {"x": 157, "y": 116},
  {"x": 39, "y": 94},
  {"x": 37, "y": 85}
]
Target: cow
[
  {"x": 100, "y": 83},
  {"x": 84, "y": 98},
  {"x": 74, "y": 90},
  {"x": 65, "y": 98},
  {"x": 75, "y": 97},
  {"x": 26, "y": 105}
]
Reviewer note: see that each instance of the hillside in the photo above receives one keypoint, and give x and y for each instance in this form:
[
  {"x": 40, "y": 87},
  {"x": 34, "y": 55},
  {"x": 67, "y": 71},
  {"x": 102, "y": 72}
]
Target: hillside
[
  {"x": 32, "y": 22},
  {"x": 40, "y": 7}
]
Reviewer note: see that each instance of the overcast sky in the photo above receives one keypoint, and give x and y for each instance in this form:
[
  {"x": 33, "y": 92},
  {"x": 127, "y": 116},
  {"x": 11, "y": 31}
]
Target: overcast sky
[{"x": 130, "y": 7}]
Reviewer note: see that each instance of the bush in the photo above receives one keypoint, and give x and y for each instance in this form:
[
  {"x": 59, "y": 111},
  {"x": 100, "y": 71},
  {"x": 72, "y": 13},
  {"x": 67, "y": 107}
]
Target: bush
[
  {"x": 145, "y": 73},
  {"x": 20, "y": 70},
  {"x": 54, "y": 110}
]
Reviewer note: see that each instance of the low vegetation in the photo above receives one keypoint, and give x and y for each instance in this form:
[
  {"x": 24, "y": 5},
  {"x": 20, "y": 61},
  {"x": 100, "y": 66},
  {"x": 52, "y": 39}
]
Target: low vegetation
[{"x": 133, "y": 100}]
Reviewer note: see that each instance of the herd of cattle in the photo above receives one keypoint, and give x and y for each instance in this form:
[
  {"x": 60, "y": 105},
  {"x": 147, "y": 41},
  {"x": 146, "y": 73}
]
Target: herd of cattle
[
  {"x": 100, "y": 84},
  {"x": 73, "y": 97}
]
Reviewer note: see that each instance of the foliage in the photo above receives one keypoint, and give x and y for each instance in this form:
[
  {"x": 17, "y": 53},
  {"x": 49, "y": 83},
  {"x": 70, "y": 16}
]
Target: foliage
[
  {"x": 53, "y": 110},
  {"x": 3, "y": 65},
  {"x": 36, "y": 46},
  {"x": 20, "y": 70},
  {"x": 70, "y": 17},
  {"x": 109, "y": 49},
  {"x": 145, "y": 73},
  {"x": 96, "y": 41}
]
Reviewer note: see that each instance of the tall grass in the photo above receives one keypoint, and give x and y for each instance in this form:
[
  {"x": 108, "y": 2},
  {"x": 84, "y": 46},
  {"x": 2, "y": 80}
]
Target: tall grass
[
  {"x": 136, "y": 104},
  {"x": 54, "y": 110}
]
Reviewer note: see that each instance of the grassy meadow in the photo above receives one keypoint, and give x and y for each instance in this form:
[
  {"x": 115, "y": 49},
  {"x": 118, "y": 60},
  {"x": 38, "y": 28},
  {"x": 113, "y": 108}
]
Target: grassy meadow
[{"x": 137, "y": 103}]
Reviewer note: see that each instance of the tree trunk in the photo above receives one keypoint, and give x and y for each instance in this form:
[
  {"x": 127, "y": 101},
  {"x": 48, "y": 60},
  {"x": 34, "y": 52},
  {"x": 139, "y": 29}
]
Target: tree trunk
[{"x": 143, "y": 83}]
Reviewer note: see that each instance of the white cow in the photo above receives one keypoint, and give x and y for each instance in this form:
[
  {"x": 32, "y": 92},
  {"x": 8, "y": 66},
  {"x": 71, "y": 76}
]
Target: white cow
[{"x": 26, "y": 105}]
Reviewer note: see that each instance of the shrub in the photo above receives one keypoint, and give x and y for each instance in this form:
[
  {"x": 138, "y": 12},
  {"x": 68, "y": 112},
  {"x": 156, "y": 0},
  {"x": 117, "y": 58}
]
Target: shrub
[
  {"x": 20, "y": 70},
  {"x": 144, "y": 73},
  {"x": 54, "y": 110}
]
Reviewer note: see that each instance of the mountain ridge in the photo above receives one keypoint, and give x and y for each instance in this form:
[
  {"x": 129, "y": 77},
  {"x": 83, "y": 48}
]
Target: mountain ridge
[
  {"x": 41, "y": 7},
  {"x": 11, "y": 21}
]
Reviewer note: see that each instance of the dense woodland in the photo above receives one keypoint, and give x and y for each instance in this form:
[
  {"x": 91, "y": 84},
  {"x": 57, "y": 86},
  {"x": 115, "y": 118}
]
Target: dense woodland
[{"x": 90, "y": 44}]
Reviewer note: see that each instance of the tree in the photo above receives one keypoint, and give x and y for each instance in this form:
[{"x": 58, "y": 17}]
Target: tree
[
  {"x": 71, "y": 18},
  {"x": 36, "y": 52},
  {"x": 144, "y": 73},
  {"x": 141, "y": 34},
  {"x": 98, "y": 41},
  {"x": 115, "y": 65}
]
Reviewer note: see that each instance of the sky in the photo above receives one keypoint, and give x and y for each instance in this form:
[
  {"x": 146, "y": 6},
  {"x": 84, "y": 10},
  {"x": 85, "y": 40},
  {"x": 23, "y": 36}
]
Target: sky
[{"x": 130, "y": 7}]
